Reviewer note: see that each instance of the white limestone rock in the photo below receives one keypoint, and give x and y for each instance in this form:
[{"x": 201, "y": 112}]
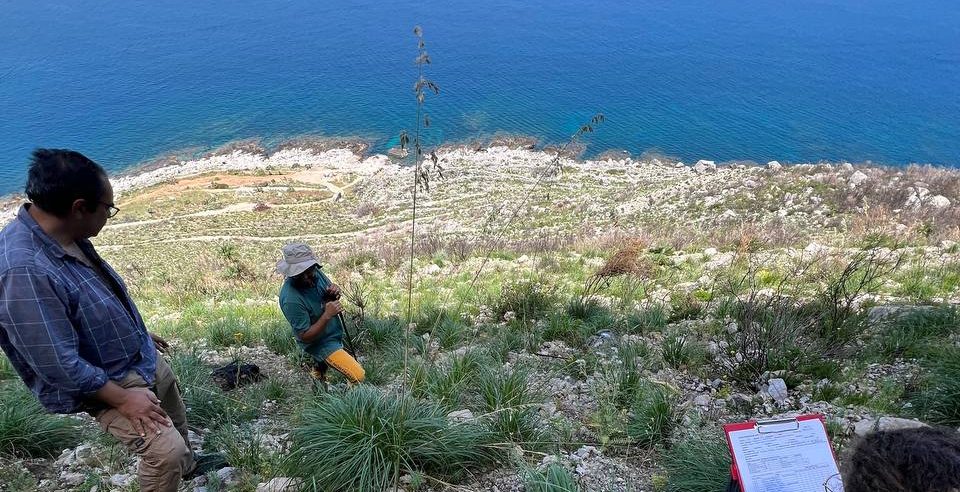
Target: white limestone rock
[
  {"x": 867, "y": 426},
  {"x": 858, "y": 178},
  {"x": 703, "y": 167}
]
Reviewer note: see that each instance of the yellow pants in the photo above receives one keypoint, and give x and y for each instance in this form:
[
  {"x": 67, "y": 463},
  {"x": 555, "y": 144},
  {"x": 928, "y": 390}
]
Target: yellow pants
[{"x": 346, "y": 364}]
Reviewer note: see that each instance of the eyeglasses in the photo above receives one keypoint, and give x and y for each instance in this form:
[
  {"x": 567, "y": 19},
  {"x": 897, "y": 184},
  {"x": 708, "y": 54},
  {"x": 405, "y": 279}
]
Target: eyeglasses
[
  {"x": 111, "y": 210},
  {"x": 834, "y": 483}
]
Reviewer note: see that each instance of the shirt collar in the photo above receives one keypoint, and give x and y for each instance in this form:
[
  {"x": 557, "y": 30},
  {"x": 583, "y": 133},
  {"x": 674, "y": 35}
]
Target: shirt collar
[{"x": 23, "y": 215}]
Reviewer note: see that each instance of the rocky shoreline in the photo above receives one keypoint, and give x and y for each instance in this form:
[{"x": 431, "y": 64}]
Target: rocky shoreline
[{"x": 350, "y": 154}]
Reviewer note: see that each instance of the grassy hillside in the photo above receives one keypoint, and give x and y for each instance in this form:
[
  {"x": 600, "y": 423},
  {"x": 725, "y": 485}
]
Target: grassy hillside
[{"x": 589, "y": 330}]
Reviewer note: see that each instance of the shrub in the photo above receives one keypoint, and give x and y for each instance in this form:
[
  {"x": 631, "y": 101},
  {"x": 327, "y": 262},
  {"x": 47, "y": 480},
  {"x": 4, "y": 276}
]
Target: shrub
[
  {"x": 626, "y": 265},
  {"x": 771, "y": 334},
  {"x": 553, "y": 478},
  {"x": 843, "y": 285},
  {"x": 234, "y": 267},
  {"x": 528, "y": 300},
  {"x": 684, "y": 306},
  {"x": 697, "y": 463},
  {"x": 27, "y": 430},
  {"x": 366, "y": 439}
]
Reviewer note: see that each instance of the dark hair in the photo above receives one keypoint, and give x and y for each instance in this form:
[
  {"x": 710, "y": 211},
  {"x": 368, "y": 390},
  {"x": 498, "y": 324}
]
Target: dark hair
[
  {"x": 909, "y": 460},
  {"x": 59, "y": 177}
]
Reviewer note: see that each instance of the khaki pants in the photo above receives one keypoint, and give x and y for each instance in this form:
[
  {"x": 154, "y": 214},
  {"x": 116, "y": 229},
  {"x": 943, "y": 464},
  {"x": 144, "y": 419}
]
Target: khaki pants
[{"x": 164, "y": 457}]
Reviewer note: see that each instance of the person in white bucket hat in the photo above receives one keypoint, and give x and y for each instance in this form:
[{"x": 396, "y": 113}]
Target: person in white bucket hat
[{"x": 310, "y": 302}]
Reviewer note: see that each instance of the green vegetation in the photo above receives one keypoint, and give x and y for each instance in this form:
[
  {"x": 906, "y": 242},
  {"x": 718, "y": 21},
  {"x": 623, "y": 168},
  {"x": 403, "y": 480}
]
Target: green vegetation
[
  {"x": 619, "y": 312},
  {"x": 26, "y": 430},
  {"x": 553, "y": 478},
  {"x": 697, "y": 463},
  {"x": 209, "y": 406},
  {"x": 365, "y": 439},
  {"x": 655, "y": 415},
  {"x": 937, "y": 399}
]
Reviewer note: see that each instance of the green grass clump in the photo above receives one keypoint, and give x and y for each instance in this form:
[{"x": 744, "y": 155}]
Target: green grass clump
[
  {"x": 590, "y": 312},
  {"x": 917, "y": 334},
  {"x": 655, "y": 415},
  {"x": 365, "y": 439},
  {"x": 653, "y": 318},
  {"x": 380, "y": 334},
  {"x": 697, "y": 463},
  {"x": 937, "y": 399},
  {"x": 6, "y": 368},
  {"x": 677, "y": 350},
  {"x": 827, "y": 392},
  {"x": 27, "y": 430},
  {"x": 244, "y": 448},
  {"x": 381, "y": 366},
  {"x": 684, "y": 306},
  {"x": 886, "y": 399},
  {"x": 231, "y": 331},
  {"x": 449, "y": 333},
  {"x": 449, "y": 383},
  {"x": 527, "y": 300},
  {"x": 553, "y": 478},
  {"x": 571, "y": 331},
  {"x": 279, "y": 338},
  {"x": 509, "y": 408},
  {"x": 629, "y": 381}
]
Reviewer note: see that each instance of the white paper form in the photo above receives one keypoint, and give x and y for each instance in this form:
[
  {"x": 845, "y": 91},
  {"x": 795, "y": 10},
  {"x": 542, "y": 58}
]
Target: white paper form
[{"x": 794, "y": 457}]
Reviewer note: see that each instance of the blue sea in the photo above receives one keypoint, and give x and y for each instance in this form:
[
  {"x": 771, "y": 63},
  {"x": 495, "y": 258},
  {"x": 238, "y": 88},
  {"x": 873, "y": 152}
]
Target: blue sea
[{"x": 126, "y": 81}]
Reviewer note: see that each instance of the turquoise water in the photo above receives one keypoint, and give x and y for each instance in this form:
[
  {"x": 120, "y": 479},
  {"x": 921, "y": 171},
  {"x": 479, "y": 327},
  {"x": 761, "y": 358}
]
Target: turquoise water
[{"x": 126, "y": 81}]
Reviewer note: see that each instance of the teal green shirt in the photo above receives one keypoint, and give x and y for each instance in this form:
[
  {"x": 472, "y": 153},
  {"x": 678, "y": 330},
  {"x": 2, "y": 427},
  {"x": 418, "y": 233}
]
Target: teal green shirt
[{"x": 303, "y": 308}]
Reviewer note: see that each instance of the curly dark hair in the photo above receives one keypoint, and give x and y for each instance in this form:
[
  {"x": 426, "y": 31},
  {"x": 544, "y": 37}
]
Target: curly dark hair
[
  {"x": 909, "y": 460},
  {"x": 59, "y": 177}
]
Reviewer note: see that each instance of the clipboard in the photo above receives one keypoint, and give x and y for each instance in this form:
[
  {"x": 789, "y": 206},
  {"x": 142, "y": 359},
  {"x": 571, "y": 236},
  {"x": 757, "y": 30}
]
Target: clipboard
[{"x": 788, "y": 455}]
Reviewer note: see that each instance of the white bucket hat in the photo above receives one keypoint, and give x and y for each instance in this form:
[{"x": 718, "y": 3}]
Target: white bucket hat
[{"x": 297, "y": 258}]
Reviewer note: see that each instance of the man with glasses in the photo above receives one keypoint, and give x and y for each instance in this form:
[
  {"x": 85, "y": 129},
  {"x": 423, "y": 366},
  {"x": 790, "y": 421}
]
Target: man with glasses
[{"x": 70, "y": 328}]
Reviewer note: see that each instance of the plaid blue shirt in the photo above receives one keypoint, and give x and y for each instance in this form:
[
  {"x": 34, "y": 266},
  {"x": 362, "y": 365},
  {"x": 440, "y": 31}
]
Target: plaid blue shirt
[{"x": 65, "y": 330}]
